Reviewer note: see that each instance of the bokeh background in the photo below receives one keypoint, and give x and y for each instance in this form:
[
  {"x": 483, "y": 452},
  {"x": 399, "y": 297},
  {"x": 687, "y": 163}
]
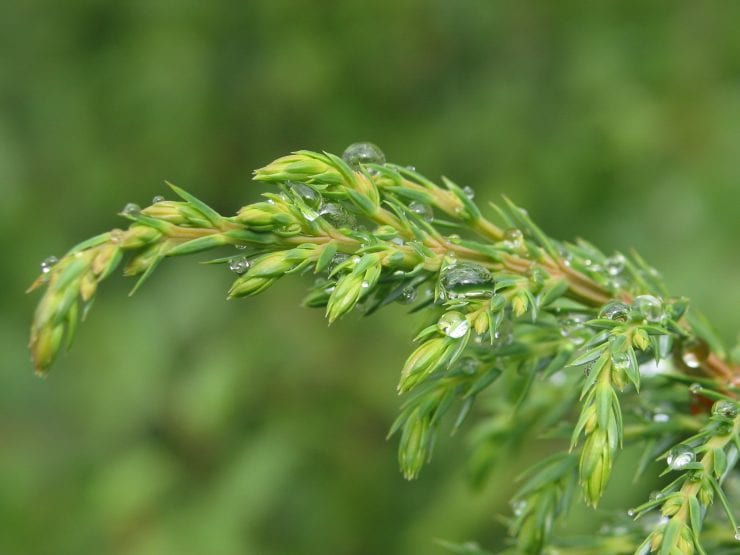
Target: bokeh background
[{"x": 182, "y": 423}]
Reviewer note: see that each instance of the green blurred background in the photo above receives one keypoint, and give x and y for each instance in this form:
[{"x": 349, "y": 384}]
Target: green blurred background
[{"x": 181, "y": 423}]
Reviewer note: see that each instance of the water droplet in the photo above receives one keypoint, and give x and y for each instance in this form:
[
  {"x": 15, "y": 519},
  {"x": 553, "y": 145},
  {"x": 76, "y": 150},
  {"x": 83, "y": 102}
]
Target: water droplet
[
  {"x": 513, "y": 238},
  {"x": 737, "y": 533},
  {"x": 363, "y": 153},
  {"x": 158, "y": 198},
  {"x": 655, "y": 495},
  {"x": 48, "y": 263},
  {"x": 468, "y": 365},
  {"x": 725, "y": 409},
  {"x": 365, "y": 285},
  {"x": 650, "y": 307},
  {"x": 469, "y": 192},
  {"x": 337, "y": 215},
  {"x": 621, "y": 361},
  {"x": 310, "y": 196},
  {"x": 466, "y": 280},
  {"x": 407, "y": 296},
  {"x": 504, "y": 334},
  {"x": 411, "y": 168},
  {"x": 680, "y": 456},
  {"x": 131, "y": 209},
  {"x": 336, "y": 260},
  {"x": 518, "y": 507},
  {"x": 661, "y": 417},
  {"x": 694, "y": 353},
  {"x": 615, "y": 310},
  {"x": 239, "y": 265},
  {"x": 615, "y": 264},
  {"x": 240, "y": 246},
  {"x": 453, "y": 324},
  {"x": 424, "y": 211},
  {"x": 695, "y": 388},
  {"x": 631, "y": 513},
  {"x": 572, "y": 327}
]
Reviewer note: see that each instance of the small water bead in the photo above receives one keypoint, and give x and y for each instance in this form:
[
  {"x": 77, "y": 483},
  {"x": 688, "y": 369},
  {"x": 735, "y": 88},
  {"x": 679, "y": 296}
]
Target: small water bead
[
  {"x": 649, "y": 306},
  {"x": 661, "y": 417},
  {"x": 307, "y": 194},
  {"x": 240, "y": 246},
  {"x": 680, "y": 456},
  {"x": 694, "y": 353},
  {"x": 131, "y": 209},
  {"x": 466, "y": 280},
  {"x": 725, "y": 409},
  {"x": 337, "y": 215},
  {"x": 513, "y": 238},
  {"x": 453, "y": 324},
  {"x": 615, "y": 310},
  {"x": 631, "y": 513},
  {"x": 239, "y": 265},
  {"x": 615, "y": 264},
  {"x": 48, "y": 264},
  {"x": 157, "y": 199},
  {"x": 362, "y": 153},
  {"x": 737, "y": 533},
  {"x": 518, "y": 507},
  {"x": 469, "y": 192},
  {"x": 695, "y": 388},
  {"x": 424, "y": 211},
  {"x": 621, "y": 361},
  {"x": 407, "y": 296},
  {"x": 468, "y": 365},
  {"x": 656, "y": 495}
]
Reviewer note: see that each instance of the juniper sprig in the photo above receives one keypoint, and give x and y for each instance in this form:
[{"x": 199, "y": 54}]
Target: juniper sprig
[{"x": 575, "y": 342}]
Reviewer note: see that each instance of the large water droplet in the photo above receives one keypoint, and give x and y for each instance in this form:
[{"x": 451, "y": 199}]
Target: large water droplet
[
  {"x": 407, "y": 296},
  {"x": 158, "y": 198},
  {"x": 424, "y": 211},
  {"x": 453, "y": 324},
  {"x": 680, "y": 456},
  {"x": 48, "y": 263},
  {"x": 307, "y": 194},
  {"x": 615, "y": 310},
  {"x": 725, "y": 409},
  {"x": 337, "y": 215},
  {"x": 513, "y": 238},
  {"x": 650, "y": 307},
  {"x": 239, "y": 265},
  {"x": 363, "y": 153},
  {"x": 694, "y": 352},
  {"x": 615, "y": 264},
  {"x": 466, "y": 280},
  {"x": 131, "y": 209}
]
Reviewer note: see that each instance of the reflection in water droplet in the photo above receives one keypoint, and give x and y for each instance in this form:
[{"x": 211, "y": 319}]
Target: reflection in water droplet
[
  {"x": 363, "y": 153},
  {"x": 407, "y": 296},
  {"x": 694, "y": 352},
  {"x": 695, "y": 388},
  {"x": 337, "y": 215},
  {"x": 466, "y": 280},
  {"x": 131, "y": 209},
  {"x": 650, "y": 307},
  {"x": 158, "y": 198},
  {"x": 239, "y": 265},
  {"x": 453, "y": 324},
  {"x": 680, "y": 456},
  {"x": 424, "y": 211},
  {"x": 725, "y": 409},
  {"x": 48, "y": 263},
  {"x": 615, "y": 310},
  {"x": 614, "y": 264}
]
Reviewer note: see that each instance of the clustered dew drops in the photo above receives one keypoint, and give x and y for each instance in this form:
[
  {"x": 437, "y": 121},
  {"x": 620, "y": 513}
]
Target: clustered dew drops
[
  {"x": 680, "y": 457},
  {"x": 357, "y": 154},
  {"x": 615, "y": 310},
  {"x": 453, "y": 324},
  {"x": 466, "y": 280},
  {"x": 131, "y": 209},
  {"x": 239, "y": 265},
  {"x": 48, "y": 263}
]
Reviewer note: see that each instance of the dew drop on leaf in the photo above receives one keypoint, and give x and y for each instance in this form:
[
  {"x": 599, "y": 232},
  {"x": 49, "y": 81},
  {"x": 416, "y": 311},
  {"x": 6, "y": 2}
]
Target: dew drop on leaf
[
  {"x": 239, "y": 265},
  {"x": 466, "y": 280},
  {"x": 424, "y": 211},
  {"x": 680, "y": 456},
  {"x": 131, "y": 209},
  {"x": 48, "y": 263},
  {"x": 363, "y": 153},
  {"x": 649, "y": 306},
  {"x": 615, "y": 310},
  {"x": 453, "y": 324},
  {"x": 694, "y": 353}
]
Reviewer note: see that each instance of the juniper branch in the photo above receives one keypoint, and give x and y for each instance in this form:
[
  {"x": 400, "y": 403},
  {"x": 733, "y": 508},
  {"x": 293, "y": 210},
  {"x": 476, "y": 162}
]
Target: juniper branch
[{"x": 501, "y": 299}]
